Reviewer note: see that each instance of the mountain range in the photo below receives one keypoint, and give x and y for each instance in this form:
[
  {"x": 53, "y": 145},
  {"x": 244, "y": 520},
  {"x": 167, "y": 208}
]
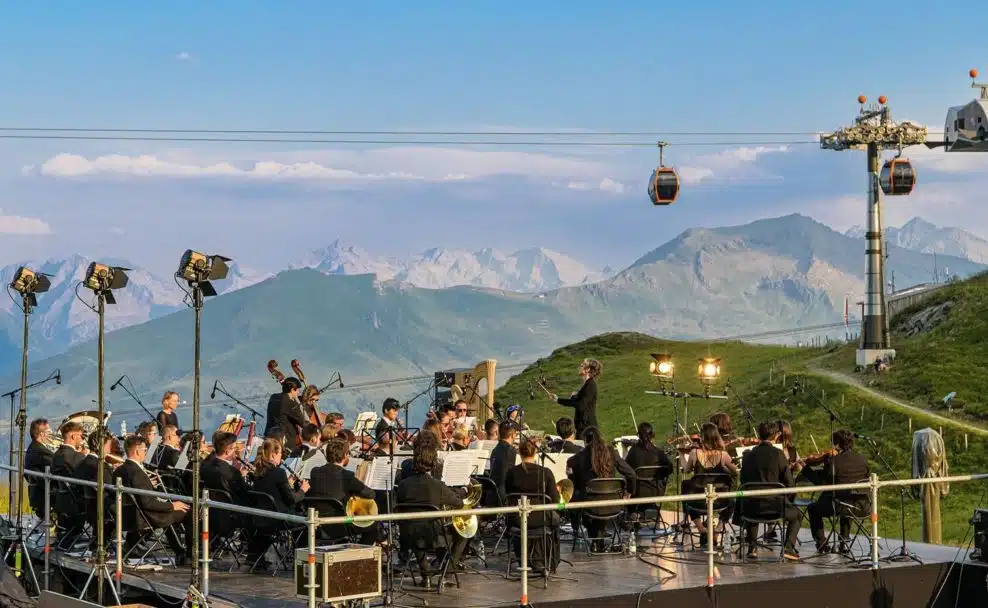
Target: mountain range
[
  {"x": 768, "y": 275},
  {"x": 919, "y": 235}
]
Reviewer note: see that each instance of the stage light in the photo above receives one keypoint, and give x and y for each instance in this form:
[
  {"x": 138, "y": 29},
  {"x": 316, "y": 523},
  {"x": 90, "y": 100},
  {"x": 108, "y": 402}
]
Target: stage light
[
  {"x": 102, "y": 279},
  {"x": 200, "y": 268},
  {"x": 708, "y": 370},
  {"x": 662, "y": 366}
]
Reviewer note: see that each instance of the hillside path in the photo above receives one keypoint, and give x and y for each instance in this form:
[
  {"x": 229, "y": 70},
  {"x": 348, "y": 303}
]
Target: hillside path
[{"x": 856, "y": 383}]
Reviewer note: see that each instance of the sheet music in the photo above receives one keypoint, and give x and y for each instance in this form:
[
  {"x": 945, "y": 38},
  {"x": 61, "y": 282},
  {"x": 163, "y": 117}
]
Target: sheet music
[
  {"x": 250, "y": 452},
  {"x": 486, "y": 444},
  {"x": 183, "y": 460},
  {"x": 458, "y": 467},
  {"x": 470, "y": 422},
  {"x": 293, "y": 464},
  {"x": 379, "y": 477},
  {"x": 314, "y": 461},
  {"x": 152, "y": 449},
  {"x": 352, "y": 464}
]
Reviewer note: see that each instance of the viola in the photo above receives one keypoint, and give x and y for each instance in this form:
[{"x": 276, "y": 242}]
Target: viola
[
  {"x": 818, "y": 457},
  {"x": 743, "y": 441}
]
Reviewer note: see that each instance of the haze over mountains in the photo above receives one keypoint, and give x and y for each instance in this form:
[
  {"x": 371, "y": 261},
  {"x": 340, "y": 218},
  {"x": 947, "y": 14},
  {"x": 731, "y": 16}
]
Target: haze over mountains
[
  {"x": 767, "y": 275},
  {"x": 919, "y": 235}
]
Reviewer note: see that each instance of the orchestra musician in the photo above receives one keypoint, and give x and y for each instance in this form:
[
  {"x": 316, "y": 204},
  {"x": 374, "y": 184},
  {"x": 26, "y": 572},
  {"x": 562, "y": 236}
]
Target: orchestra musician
[
  {"x": 219, "y": 474},
  {"x": 422, "y": 487},
  {"x": 158, "y": 512},
  {"x": 516, "y": 417},
  {"x": 166, "y": 455},
  {"x": 272, "y": 479},
  {"x": 383, "y": 432},
  {"x": 765, "y": 463},
  {"x": 310, "y": 405},
  {"x": 584, "y": 401},
  {"x": 310, "y": 438},
  {"x": 709, "y": 458},
  {"x": 460, "y": 439},
  {"x": 534, "y": 479},
  {"x": 597, "y": 460},
  {"x": 284, "y": 413},
  {"x": 503, "y": 457},
  {"x": 334, "y": 420},
  {"x": 71, "y": 453},
  {"x": 332, "y": 480},
  {"x": 37, "y": 457},
  {"x": 840, "y": 465},
  {"x": 491, "y": 430},
  {"x": 87, "y": 469},
  {"x": 460, "y": 411},
  {"x": 167, "y": 415},
  {"x": 567, "y": 435},
  {"x": 644, "y": 453}
]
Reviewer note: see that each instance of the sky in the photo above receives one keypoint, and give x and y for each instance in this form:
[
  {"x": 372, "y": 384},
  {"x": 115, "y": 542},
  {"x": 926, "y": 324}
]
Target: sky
[{"x": 775, "y": 71}]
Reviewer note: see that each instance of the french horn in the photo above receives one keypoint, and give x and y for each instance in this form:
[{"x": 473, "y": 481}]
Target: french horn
[
  {"x": 565, "y": 488},
  {"x": 467, "y": 526},
  {"x": 356, "y": 507}
]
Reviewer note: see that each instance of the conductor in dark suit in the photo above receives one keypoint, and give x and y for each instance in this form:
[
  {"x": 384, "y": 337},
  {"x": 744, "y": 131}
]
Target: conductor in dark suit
[
  {"x": 847, "y": 466},
  {"x": 285, "y": 412},
  {"x": 419, "y": 536},
  {"x": 36, "y": 458},
  {"x": 766, "y": 463},
  {"x": 157, "y": 512},
  {"x": 567, "y": 434},
  {"x": 332, "y": 480},
  {"x": 503, "y": 457},
  {"x": 584, "y": 401}
]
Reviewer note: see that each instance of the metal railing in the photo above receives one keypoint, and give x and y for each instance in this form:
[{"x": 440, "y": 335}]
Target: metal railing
[{"x": 312, "y": 521}]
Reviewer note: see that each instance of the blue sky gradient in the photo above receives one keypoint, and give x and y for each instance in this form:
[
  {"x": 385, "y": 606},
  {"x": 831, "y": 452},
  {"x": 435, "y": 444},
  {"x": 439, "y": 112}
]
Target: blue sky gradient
[{"x": 716, "y": 66}]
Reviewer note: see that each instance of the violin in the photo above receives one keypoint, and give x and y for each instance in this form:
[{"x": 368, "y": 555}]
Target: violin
[
  {"x": 818, "y": 457},
  {"x": 743, "y": 441},
  {"x": 685, "y": 441}
]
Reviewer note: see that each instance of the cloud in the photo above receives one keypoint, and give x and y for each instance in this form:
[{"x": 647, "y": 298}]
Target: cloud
[
  {"x": 730, "y": 164},
  {"x": 185, "y": 56},
  {"x": 14, "y": 224},
  {"x": 605, "y": 185}
]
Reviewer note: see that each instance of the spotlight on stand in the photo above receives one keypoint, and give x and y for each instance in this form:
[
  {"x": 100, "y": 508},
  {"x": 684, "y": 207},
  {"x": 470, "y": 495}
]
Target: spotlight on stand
[
  {"x": 708, "y": 371},
  {"x": 102, "y": 280},
  {"x": 198, "y": 269},
  {"x": 28, "y": 284},
  {"x": 662, "y": 368}
]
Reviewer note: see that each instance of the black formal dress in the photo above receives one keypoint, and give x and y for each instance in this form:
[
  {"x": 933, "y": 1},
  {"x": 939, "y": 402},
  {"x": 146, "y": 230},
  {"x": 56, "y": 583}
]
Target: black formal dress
[
  {"x": 539, "y": 484},
  {"x": 503, "y": 458},
  {"x": 845, "y": 467},
  {"x": 581, "y": 472},
  {"x": 154, "y": 512},
  {"x": 419, "y": 536},
  {"x": 654, "y": 483},
  {"x": 584, "y": 404},
  {"x": 766, "y": 463},
  {"x": 36, "y": 458},
  {"x": 333, "y": 481},
  {"x": 165, "y": 419}
]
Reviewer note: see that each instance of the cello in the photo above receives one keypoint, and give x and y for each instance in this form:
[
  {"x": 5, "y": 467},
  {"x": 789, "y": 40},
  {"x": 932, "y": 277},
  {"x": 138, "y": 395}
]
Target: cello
[{"x": 309, "y": 408}]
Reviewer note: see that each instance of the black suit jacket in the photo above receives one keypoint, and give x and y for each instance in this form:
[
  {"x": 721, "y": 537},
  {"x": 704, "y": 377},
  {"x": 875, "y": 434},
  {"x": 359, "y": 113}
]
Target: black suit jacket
[
  {"x": 65, "y": 461},
  {"x": 36, "y": 458},
  {"x": 845, "y": 467},
  {"x": 284, "y": 414},
  {"x": 423, "y": 488},
  {"x": 333, "y": 481},
  {"x": 503, "y": 458},
  {"x": 650, "y": 456},
  {"x": 531, "y": 478},
  {"x": 564, "y": 446},
  {"x": 86, "y": 470},
  {"x": 217, "y": 474},
  {"x": 581, "y": 468},
  {"x": 165, "y": 457},
  {"x": 275, "y": 484},
  {"x": 155, "y": 509},
  {"x": 584, "y": 404},
  {"x": 766, "y": 463}
]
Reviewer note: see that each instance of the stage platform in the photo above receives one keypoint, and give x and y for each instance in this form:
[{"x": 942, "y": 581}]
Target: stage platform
[{"x": 618, "y": 580}]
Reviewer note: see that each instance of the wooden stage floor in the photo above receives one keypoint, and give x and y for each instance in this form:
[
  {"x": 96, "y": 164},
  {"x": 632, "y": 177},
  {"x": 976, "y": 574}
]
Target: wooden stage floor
[{"x": 591, "y": 580}]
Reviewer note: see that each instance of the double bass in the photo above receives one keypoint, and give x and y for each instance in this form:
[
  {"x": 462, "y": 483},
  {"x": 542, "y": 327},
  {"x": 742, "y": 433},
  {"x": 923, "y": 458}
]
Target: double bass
[
  {"x": 280, "y": 377},
  {"x": 309, "y": 410}
]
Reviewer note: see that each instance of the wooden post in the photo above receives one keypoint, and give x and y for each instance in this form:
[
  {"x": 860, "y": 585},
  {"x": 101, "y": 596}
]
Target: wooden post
[
  {"x": 910, "y": 426},
  {"x": 883, "y": 422}
]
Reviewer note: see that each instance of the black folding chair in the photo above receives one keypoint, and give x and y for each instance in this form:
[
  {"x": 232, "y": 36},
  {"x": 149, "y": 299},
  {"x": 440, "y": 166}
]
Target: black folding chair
[
  {"x": 603, "y": 488},
  {"x": 697, "y": 509},
  {"x": 417, "y": 538},
  {"x": 761, "y": 510},
  {"x": 282, "y": 535},
  {"x": 652, "y": 481}
]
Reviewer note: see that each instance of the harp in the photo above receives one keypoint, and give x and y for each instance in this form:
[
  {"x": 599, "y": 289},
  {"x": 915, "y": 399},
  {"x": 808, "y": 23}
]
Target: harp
[{"x": 476, "y": 387}]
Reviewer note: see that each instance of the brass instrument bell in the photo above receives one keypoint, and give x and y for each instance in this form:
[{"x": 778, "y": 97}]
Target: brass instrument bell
[
  {"x": 467, "y": 526},
  {"x": 356, "y": 506},
  {"x": 565, "y": 488}
]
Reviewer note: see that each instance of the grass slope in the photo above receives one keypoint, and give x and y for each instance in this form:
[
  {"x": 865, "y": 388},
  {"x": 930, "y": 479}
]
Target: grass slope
[
  {"x": 764, "y": 377},
  {"x": 951, "y": 357}
]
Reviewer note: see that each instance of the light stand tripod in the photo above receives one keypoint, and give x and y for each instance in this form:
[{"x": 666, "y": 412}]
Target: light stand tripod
[{"x": 903, "y": 554}]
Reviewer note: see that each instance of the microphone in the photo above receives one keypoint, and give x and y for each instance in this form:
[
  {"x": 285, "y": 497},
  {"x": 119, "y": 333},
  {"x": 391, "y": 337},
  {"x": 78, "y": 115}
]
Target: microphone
[
  {"x": 58, "y": 376},
  {"x": 119, "y": 380},
  {"x": 212, "y": 395},
  {"x": 865, "y": 437},
  {"x": 341, "y": 380}
]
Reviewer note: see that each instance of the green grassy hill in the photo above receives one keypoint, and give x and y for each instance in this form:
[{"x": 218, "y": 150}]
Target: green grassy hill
[
  {"x": 764, "y": 377},
  {"x": 949, "y": 356}
]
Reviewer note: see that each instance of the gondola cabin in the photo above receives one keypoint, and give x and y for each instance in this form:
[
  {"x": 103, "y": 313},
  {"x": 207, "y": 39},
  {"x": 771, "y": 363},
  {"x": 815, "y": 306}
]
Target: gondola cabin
[
  {"x": 898, "y": 177},
  {"x": 966, "y": 127},
  {"x": 663, "y": 187}
]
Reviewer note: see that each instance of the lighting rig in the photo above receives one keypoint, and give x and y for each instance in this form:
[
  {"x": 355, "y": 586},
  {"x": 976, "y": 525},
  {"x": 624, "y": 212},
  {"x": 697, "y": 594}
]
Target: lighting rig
[
  {"x": 102, "y": 280},
  {"x": 198, "y": 270}
]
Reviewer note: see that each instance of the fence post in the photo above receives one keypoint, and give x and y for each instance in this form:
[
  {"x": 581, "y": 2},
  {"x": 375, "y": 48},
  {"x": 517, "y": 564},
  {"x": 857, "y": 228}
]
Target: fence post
[
  {"x": 47, "y": 550},
  {"x": 118, "y": 506},
  {"x": 711, "y": 493},
  {"x": 523, "y": 512},
  {"x": 874, "y": 521},
  {"x": 205, "y": 544},
  {"x": 311, "y": 525}
]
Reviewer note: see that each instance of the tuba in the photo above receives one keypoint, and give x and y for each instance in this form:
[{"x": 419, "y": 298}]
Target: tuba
[
  {"x": 565, "y": 488},
  {"x": 356, "y": 506},
  {"x": 467, "y": 526}
]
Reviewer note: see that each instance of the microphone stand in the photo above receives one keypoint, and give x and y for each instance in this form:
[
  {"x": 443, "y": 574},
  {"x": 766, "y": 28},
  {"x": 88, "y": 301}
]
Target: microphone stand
[
  {"x": 550, "y": 548},
  {"x": 254, "y": 414},
  {"x": 132, "y": 395},
  {"x": 903, "y": 555},
  {"x": 744, "y": 408}
]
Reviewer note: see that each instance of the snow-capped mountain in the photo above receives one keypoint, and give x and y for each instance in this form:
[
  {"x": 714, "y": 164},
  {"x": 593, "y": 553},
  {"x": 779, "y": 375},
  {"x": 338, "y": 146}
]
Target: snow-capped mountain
[
  {"x": 526, "y": 270},
  {"x": 919, "y": 235}
]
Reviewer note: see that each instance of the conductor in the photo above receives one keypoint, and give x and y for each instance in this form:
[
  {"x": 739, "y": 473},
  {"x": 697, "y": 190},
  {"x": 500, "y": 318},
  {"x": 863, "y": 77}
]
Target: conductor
[{"x": 584, "y": 401}]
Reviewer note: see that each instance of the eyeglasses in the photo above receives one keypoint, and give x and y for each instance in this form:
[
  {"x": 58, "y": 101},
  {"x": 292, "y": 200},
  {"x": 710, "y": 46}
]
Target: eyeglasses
[{"x": 461, "y": 410}]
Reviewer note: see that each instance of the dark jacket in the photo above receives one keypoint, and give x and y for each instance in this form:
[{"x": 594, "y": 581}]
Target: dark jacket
[
  {"x": 845, "y": 467},
  {"x": 503, "y": 458},
  {"x": 154, "y": 508},
  {"x": 581, "y": 468},
  {"x": 275, "y": 484},
  {"x": 36, "y": 458},
  {"x": 65, "y": 461},
  {"x": 531, "y": 478},
  {"x": 165, "y": 457},
  {"x": 217, "y": 474},
  {"x": 765, "y": 463},
  {"x": 285, "y": 415},
  {"x": 164, "y": 420},
  {"x": 423, "y": 488},
  {"x": 333, "y": 481},
  {"x": 584, "y": 404},
  {"x": 650, "y": 456}
]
